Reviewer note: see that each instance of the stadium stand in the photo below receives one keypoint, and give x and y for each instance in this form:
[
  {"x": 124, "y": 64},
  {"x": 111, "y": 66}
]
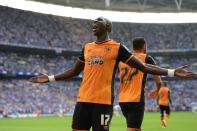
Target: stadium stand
[
  {"x": 36, "y": 29},
  {"x": 33, "y": 63},
  {"x": 20, "y": 96},
  {"x": 131, "y": 5}
]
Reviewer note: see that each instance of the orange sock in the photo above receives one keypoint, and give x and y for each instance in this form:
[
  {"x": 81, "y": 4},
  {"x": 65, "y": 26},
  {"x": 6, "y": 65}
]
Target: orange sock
[{"x": 167, "y": 117}]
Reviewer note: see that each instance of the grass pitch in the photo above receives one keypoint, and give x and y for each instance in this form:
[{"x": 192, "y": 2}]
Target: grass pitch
[{"x": 180, "y": 121}]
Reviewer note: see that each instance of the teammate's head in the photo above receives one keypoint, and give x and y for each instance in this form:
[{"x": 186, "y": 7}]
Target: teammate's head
[
  {"x": 165, "y": 83},
  {"x": 139, "y": 44},
  {"x": 101, "y": 25}
]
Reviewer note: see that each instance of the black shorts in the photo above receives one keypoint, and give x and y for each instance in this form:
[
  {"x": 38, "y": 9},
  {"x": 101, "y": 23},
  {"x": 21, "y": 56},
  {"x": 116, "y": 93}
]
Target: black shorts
[
  {"x": 87, "y": 115},
  {"x": 134, "y": 113},
  {"x": 164, "y": 108}
]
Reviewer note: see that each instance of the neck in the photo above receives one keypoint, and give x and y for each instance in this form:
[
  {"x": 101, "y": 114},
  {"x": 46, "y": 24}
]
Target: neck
[
  {"x": 137, "y": 51},
  {"x": 102, "y": 38}
]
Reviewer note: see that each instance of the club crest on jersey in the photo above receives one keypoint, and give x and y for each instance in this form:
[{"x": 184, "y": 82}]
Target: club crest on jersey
[
  {"x": 107, "y": 49},
  {"x": 89, "y": 50},
  {"x": 95, "y": 60}
]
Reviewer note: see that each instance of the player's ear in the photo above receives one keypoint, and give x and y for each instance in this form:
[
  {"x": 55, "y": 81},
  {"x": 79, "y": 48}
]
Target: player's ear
[{"x": 109, "y": 27}]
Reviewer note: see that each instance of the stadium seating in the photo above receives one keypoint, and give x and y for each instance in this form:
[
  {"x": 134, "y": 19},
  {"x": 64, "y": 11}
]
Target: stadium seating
[
  {"x": 29, "y": 28},
  {"x": 21, "y": 96},
  {"x": 33, "y": 63}
]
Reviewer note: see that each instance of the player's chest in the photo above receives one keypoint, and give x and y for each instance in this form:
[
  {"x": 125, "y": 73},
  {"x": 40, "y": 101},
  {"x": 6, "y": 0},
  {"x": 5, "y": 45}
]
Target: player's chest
[{"x": 106, "y": 53}]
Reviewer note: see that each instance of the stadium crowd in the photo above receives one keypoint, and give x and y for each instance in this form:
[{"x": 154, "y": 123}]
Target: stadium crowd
[
  {"x": 40, "y": 63},
  {"x": 33, "y": 63},
  {"x": 20, "y": 96},
  {"x": 34, "y": 29}
]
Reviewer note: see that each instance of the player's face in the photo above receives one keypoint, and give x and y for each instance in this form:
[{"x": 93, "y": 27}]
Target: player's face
[{"x": 98, "y": 26}]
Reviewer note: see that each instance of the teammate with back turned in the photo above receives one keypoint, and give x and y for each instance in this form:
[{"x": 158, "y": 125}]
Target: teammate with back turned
[
  {"x": 132, "y": 84},
  {"x": 164, "y": 101},
  {"x": 99, "y": 61}
]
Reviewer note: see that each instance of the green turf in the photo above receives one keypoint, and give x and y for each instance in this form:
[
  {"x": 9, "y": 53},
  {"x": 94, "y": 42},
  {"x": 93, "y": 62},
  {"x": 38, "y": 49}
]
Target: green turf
[{"x": 178, "y": 122}]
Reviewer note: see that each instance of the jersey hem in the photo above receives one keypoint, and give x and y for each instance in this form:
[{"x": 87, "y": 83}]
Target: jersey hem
[{"x": 95, "y": 102}]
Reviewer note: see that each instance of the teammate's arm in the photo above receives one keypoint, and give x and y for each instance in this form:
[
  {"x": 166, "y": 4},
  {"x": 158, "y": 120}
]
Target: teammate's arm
[
  {"x": 154, "y": 92},
  {"x": 158, "y": 100},
  {"x": 169, "y": 97},
  {"x": 156, "y": 78},
  {"x": 158, "y": 81}
]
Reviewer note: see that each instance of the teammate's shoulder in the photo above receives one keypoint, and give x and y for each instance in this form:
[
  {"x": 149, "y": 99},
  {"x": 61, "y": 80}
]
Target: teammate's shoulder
[
  {"x": 124, "y": 47},
  {"x": 149, "y": 57},
  {"x": 150, "y": 60}
]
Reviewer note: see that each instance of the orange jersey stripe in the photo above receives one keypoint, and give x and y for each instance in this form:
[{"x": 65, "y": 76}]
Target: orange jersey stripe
[{"x": 131, "y": 81}]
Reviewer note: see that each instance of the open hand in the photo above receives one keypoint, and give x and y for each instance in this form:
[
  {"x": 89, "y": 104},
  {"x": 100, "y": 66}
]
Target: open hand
[
  {"x": 39, "y": 79},
  {"x": 183, "y": 73}
]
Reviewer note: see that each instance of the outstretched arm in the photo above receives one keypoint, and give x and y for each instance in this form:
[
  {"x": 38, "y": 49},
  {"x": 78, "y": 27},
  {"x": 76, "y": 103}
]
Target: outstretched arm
[
  {"x": 152, "y": 69},
  {"x": 78, "y": 67},
  {"x": 146, "y": 68}
]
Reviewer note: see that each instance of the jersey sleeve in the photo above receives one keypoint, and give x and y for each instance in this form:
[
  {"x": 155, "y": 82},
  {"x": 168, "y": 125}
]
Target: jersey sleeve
[
  {"x": 150, "y": 60},
  {"x": 124, "y": 54},
  {"x": 81, "y": 56}
]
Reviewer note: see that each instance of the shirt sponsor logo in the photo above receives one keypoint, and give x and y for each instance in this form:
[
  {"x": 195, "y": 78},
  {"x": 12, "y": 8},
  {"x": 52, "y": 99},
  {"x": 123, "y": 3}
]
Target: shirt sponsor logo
[{"x": 95, "y": 60}]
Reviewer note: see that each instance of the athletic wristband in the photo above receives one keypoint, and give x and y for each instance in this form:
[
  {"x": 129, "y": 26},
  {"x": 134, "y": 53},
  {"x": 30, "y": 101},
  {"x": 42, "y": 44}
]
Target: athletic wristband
[
  {"x": 171, "y": 72},
  {"x": 51, "y": 78}
]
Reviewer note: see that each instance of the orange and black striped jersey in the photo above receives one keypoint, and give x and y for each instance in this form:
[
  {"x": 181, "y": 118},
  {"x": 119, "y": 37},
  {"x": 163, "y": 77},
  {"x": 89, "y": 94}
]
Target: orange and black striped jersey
[
  {"x": 132, "y": 81},
  {"x": 163, "y": 96},
  {"x": 101, "y": 62}
]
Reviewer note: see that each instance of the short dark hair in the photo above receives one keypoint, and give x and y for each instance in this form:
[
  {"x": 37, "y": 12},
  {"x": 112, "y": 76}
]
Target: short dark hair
[
  {"x": 165, "y": 83},
  {"x": 138, "y": 43}
]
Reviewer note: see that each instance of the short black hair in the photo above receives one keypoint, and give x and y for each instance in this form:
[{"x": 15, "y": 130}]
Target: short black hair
[
  {"x": 138, "y": 43},
  {"x": 165, "y": 83}
]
